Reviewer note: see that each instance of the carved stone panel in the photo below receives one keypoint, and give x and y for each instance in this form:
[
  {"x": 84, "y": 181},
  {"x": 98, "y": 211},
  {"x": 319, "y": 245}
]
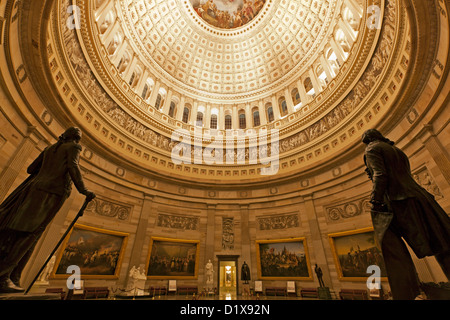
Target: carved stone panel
[
  {"x": 348, "y": 209},
  {"x": 275, "y": 222},
  {"x": 227, "y": 233},
  {"x": 108, "y": 208},
  {"x": 423, "y": 177},
  {"x": 177, "y": 222}
]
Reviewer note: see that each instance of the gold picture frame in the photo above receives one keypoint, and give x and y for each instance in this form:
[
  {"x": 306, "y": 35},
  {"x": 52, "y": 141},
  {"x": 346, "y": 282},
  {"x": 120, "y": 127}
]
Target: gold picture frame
[
  {"x": 174, "y": 259},
  {"x": 354, "y": 251},
  {"x": 97, "y": 252},
  {"x": 271, "y": 265}
]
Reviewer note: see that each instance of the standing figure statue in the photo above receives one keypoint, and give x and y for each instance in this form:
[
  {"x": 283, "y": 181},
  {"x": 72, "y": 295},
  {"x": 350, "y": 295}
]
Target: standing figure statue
[
  {"x": 245, "y": 273},
  {"x": 319, "y": 274},
  {"x": 26, "y": 212},
  {"x": 209, "y": 272},
  {"x": 402, "y": 208}
]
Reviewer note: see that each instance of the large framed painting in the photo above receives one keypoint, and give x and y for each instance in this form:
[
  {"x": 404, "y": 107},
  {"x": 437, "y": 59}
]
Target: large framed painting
[
  {"x": 354, "y": 251},
  {"x": 97, "y": 252},
  {"x": 283, "y": 259},
  {"x": 172, "y": 259}
]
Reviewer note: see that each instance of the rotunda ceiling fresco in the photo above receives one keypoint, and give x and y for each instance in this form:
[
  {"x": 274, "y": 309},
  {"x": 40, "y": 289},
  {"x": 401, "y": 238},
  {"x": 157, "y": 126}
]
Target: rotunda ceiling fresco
[{"x": 227, "y": 14}]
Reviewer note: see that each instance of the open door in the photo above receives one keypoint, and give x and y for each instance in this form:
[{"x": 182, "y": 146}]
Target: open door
[{"x": 228, "y": 277}]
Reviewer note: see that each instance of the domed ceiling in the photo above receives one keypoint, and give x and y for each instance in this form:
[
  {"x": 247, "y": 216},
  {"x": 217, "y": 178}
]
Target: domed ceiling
[
  {"x": 311, "y": 73},
  {"x": 211, "y": 61}
]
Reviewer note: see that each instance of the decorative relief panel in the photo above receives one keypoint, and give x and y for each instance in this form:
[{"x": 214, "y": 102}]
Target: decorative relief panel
[
  {"x": 177, "y": 222},
  {"x": 284, "y": 221},
  {"x": 348, "y": 209},
  {"x": 227, "y": 233},
  {"x": 423, "y": 177},
  {"x": 109, "y": 209}
]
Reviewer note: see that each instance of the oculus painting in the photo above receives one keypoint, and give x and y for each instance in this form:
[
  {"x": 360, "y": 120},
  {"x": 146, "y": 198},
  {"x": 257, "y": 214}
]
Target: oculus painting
[
  {"x": 227, "y": 14},
  {"x": 354, "y": 251},
  {"x": 172, "y": 259},
  {"x": 282, "y": 259},
  {"x": 97, "y": 252}
]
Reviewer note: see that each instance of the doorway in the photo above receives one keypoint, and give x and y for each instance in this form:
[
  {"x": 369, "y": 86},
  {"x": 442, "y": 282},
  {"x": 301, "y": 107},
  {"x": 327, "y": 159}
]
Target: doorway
[{"x": 228, "y": 277}]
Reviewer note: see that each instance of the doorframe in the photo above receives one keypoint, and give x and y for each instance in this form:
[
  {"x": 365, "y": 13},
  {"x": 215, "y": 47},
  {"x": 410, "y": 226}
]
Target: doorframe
[{"x": 223, "y": 257}]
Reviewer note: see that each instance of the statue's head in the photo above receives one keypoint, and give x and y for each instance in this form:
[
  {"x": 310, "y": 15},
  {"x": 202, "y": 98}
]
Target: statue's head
[
  {"x": 374, "y": 135},
  {"x": 71, "y": 134}
]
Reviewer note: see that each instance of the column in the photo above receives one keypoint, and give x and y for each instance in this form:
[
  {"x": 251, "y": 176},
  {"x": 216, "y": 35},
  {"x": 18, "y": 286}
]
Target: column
[
  {"x": 326, "y": 67},
  {"x": 302, "y": 91},
  {"x": 209, "y": 241},
  {"x": 439, "y": 154},
  {"x": 235, "y": 124},
  {"x": 246, "y": 242},
  {"x": 154, "y": 94},
  {"x": 348, "y": 31},
  {"x": 276, "y": 108},
  {"x": 180, "y": 109},
  {"x": 315, "y": 81},
  {"x": 109, "y": 34},
  {"x": 138, "y": 257},
  {"x": 16, "y": 163},
  {"x": 194, "y": 110},
  {"x": 337, "y": 50},
  {"x": 289, "y": 102},
  {"x": 167, "y": 101},
  {"x": 221, "y": 118},
  {"x": 207, "y": 116},
  {"x": 103, "y": 11},
  {"x": 129, "y": 71},
  {"x": 142, "y": 81},
  {"x": 248, "y": 116},
  {"x": 119, "y": 52},
  {"x": 354, "y": 8},
  {"x": 315, "y": 240},
  {"x": 262, "y": 113}
]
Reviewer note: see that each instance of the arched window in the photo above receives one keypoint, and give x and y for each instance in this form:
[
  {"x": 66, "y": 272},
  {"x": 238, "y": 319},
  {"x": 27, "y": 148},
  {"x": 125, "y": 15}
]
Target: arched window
[
  {"x": 228, "y": 122},
  {"x": 270, "y": 115},
  {"x": 242, "y": 122},
  {"x": 144, "y": 92},
  {"x": 199, "y": 120},
  {"x": 342, "y": 40},
  {"x": 114, "y": 44},
  {"x": 256, "y": 119},
  {"x": 213, "y": 122},
  {"x": 309, "y": 88},
  {"x": 123, "y": 63},
  {"x": 295, "y": 96},
  {"x": 186, "y": 115},
  {"x": 158, "y": 101},
  {"x": 133, "y": 76},
  {"x": 321, "y": 76},
  {"x": 172, "y": 109},
  {"x": 283, "y": 106}
]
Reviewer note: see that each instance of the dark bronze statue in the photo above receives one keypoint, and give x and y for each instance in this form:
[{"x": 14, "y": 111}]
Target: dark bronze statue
[
  {"x": 245, "y": 273},
  {"x": 28, "y": 210},
  {"x": 401, "y": 208},
  {"x": 319, "y": 274}
]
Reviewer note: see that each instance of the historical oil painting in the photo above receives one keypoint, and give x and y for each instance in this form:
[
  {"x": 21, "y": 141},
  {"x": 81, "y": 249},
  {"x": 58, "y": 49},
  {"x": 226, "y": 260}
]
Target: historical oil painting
[
  {"x": 172, "y": 259},
  {"x": 354, "y": 251},
  {"x": 227, "y": 14},
  {"x": 283, "y": 259},
  {"x": 97, "y": 252}
]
